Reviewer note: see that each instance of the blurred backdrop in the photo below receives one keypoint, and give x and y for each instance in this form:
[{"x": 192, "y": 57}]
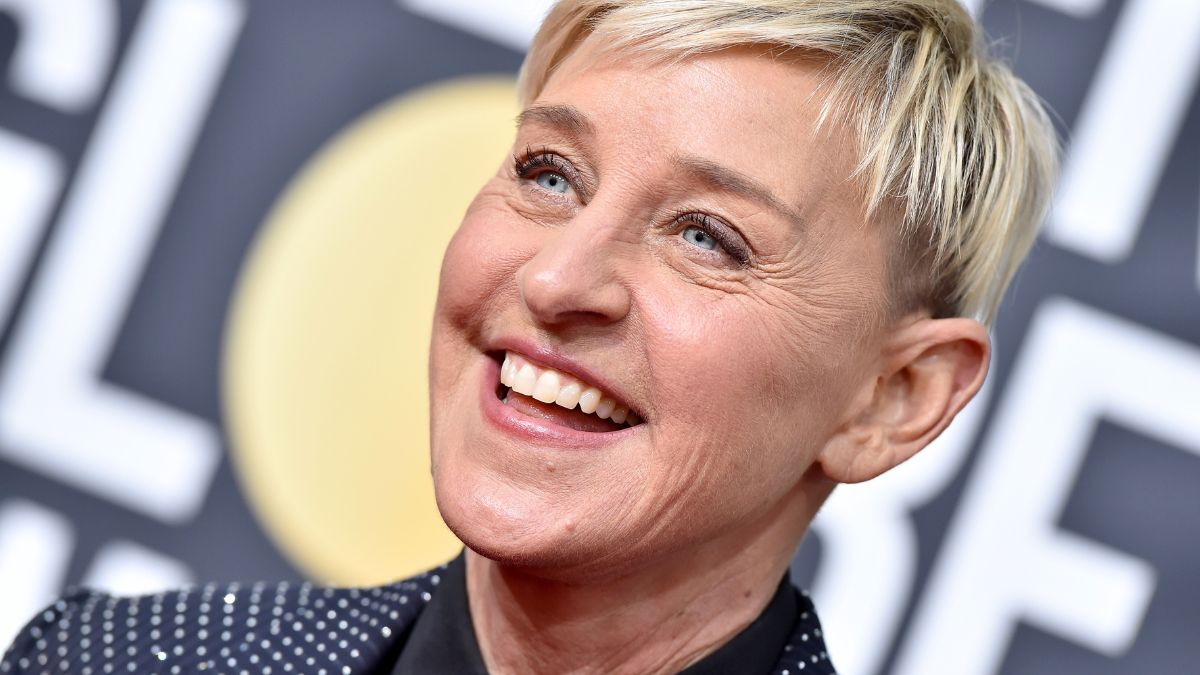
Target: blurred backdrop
[{"x": 220, "y": 227}]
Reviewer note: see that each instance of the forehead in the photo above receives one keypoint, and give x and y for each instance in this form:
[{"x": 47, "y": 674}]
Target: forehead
[{"x": 743, "y": 108}]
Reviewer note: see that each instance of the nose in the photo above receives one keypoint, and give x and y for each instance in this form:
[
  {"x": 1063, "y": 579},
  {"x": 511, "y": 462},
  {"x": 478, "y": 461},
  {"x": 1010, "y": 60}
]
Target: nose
[{"x": 574, "y": 276}]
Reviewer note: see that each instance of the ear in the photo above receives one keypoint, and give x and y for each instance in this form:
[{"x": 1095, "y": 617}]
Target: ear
[{"x": 927, "y": 371}]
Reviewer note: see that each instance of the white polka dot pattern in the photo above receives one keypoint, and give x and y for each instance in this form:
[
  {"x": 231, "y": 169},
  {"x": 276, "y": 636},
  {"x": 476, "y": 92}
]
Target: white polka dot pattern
[
  {"x": 267, "y": 629},
  {"x": 805, "y": 652},
  {"x": 270, "y": 629}
]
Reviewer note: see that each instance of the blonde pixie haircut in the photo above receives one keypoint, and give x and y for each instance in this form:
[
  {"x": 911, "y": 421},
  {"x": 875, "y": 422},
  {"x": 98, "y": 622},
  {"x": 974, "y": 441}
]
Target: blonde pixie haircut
[{"x": 950, "y": 142}]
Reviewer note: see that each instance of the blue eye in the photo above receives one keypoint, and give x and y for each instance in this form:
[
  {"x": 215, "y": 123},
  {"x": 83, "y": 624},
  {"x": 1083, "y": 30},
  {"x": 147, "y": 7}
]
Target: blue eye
[
  {"x": 699, "y": 237},
  {"x": 553, "y": 182}
]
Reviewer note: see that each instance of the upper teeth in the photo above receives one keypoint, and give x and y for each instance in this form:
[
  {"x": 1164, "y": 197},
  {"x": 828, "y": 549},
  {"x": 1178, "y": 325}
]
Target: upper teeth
[{"x": 550, "y": 386}]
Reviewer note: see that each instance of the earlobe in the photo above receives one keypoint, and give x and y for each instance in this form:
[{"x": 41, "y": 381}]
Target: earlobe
[{"x": 928, "y": 371}]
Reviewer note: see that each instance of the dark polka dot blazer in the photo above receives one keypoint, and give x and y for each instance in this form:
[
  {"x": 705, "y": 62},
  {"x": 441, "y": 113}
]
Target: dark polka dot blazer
[{"x": 264, "y": 628}]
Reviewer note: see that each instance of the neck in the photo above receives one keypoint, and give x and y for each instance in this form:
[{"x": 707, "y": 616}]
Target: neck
[{"x": 659, "y": 618}]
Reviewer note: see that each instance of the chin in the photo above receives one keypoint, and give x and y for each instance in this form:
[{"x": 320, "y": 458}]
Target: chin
[{"x": 520, "y": 530}]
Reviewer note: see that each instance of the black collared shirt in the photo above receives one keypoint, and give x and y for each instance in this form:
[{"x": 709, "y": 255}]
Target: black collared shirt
[{"x": 443, "y": 640}]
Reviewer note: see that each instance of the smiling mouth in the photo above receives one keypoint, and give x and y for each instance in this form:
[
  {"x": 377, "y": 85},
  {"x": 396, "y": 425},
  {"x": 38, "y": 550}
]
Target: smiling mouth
[{"x": 554, "y": 396}]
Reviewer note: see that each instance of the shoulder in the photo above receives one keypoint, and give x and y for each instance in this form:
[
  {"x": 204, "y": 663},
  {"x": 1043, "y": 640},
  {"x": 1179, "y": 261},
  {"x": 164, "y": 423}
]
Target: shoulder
[{"x": 280, "y": 628}]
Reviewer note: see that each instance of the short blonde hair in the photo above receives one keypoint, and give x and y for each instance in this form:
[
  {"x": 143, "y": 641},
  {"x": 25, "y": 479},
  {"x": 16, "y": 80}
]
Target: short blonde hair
[{"x": 949, "y": 137}]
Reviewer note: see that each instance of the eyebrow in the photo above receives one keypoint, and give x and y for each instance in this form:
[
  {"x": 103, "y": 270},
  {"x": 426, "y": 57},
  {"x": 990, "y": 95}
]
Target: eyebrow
[
  {"x": 731, "y": 180},
  {"x": 572, "y": 121},
  {"x": 565, "y": 117}
]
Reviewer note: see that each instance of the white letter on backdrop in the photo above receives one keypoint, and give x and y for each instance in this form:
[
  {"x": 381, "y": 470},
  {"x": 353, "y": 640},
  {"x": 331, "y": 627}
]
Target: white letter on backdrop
[
  {"x": 1127, "y": 128},
  {"x": 1004, "y": 559},
  {"x": 65, "y": 50},
  {"x": 56, "y": 415},
  {"x": 869, "y": 547}
]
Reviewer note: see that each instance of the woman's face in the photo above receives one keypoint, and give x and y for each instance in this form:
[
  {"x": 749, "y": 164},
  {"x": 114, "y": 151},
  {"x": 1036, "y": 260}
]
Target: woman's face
[{"x": 680, "y": 239}]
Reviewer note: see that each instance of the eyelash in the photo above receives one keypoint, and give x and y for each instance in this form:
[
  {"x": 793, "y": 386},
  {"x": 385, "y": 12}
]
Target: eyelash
[
  {"x": 709, "y": 226},
  {"x": 531, "y": 160},
  {"x": 543, "y": 158}
]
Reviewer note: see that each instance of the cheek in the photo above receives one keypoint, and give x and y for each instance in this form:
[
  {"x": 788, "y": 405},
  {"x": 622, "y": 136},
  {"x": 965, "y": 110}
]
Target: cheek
[
  {"x": 479, "y": 266},
  {"x": 465, "y": 284},
  {"x": 743, "y": 387},
  {"x": 722, "y": 357},
  {"x": 474, "y": 277}
]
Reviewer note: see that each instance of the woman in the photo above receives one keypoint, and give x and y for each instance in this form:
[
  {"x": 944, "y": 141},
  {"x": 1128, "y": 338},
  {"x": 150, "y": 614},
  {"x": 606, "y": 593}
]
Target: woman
[{"x": 743, "y": 252}]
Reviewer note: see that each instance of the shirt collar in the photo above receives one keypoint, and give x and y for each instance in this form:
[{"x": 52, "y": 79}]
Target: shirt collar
[{"x": 443, "y": 638}]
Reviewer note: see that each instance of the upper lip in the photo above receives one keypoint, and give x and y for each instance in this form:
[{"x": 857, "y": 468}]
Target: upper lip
[{"x": 550, "y": 357}]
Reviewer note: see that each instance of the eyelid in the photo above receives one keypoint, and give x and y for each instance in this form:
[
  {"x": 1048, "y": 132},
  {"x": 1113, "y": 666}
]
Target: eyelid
[
  {"x": 530, "y": 159},
  {"x": 730, "y": 239}
]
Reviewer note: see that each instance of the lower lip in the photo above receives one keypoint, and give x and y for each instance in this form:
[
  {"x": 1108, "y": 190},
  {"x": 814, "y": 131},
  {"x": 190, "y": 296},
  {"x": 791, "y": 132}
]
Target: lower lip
[{"x": 536, "y": 430}]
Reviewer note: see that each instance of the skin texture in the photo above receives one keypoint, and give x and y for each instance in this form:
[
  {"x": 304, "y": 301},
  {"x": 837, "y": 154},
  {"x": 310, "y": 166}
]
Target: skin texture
[{"x": 766, "y": 373}]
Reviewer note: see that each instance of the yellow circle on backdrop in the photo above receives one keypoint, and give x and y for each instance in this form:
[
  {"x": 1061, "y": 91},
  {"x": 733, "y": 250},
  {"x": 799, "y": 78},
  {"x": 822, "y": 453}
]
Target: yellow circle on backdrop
[{"x": 325, "y": 363}]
